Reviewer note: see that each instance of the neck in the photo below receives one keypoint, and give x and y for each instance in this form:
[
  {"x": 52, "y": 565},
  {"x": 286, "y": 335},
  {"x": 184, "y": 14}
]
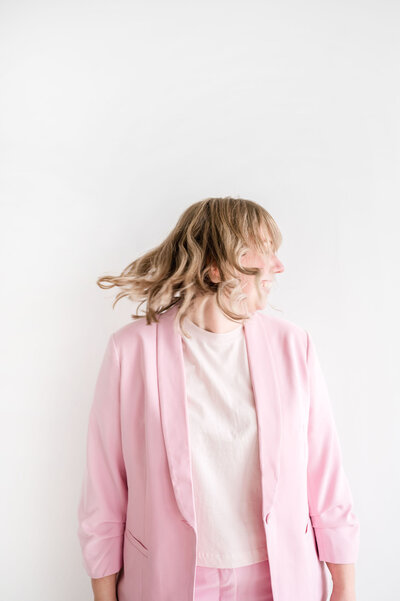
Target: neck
[{"x": 206, "y": 314}]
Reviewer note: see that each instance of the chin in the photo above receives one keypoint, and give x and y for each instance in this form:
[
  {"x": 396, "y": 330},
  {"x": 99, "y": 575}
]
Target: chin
[{"x": 259, "y": 306}]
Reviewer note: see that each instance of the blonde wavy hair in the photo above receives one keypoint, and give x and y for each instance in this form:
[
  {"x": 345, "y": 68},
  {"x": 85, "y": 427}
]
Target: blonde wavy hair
[{"x": 213, "y": 232}]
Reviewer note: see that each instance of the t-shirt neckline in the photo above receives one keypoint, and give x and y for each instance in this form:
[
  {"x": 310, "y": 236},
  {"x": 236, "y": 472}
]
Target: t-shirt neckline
[{"x": 212, "y": 337}]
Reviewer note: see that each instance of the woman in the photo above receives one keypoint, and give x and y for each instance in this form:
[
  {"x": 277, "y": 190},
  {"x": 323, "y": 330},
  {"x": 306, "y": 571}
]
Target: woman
[{"x": 214, "y": 469}]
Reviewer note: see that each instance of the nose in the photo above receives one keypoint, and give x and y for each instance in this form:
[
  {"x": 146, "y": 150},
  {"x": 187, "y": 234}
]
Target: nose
[{"x": 277, "y": 266}]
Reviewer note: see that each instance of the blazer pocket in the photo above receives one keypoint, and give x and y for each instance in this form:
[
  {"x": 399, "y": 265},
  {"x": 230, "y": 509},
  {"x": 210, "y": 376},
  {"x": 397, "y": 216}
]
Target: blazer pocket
[{"x": 136, "y": 542}]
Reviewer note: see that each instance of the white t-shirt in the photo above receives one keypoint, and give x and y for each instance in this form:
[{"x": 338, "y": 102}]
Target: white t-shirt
[{"x": 223, "y": 433}]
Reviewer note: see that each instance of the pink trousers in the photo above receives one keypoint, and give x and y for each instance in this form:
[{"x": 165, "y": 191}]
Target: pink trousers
[{"x": 247, "y": 583}]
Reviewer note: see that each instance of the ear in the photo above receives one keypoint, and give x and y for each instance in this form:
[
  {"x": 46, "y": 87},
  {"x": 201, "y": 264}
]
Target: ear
[{"x": 214, "y": 273}]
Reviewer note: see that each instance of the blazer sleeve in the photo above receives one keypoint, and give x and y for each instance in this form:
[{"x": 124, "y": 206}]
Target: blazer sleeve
[
  {"x": 103, "y": 499},
  {"x": 336, "y": 527}
]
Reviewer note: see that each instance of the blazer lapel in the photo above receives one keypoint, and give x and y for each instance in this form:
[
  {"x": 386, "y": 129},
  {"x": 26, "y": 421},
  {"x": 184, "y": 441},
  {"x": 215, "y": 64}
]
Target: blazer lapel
[
  {"x": 264, "y": 379},
  {"x": 173, "y": 408}
]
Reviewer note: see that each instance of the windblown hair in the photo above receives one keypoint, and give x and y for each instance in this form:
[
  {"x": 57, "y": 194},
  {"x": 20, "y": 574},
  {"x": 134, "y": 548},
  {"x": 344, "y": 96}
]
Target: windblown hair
[{"x": 213, "y": 231}]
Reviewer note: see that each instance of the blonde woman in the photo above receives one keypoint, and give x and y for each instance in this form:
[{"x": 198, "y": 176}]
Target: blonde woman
[{"x": 214, "y": 469}]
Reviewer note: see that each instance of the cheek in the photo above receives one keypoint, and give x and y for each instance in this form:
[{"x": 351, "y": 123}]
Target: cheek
[
  {"x": 248, "y": 284},
  {"x": 251, "y": 259}
]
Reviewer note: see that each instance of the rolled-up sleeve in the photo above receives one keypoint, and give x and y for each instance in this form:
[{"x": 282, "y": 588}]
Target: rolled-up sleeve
[
  {"x": 336, "y": 527},
  {"x": 103, "y": 499}
]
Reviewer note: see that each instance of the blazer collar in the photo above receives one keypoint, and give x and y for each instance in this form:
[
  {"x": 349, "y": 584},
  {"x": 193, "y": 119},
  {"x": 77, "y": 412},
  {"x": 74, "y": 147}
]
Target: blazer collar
[{"x": 173, "y": 408}]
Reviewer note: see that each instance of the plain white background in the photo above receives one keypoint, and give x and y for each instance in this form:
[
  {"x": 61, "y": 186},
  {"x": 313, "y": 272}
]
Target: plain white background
[{"x": 115, "y": 116}]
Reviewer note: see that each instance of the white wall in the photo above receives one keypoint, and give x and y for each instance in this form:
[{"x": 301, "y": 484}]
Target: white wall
[{"x": 114, "y": 116}]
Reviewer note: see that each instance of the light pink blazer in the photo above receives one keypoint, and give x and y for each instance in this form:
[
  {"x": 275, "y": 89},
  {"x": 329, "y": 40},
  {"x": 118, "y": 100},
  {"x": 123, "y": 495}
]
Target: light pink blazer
[{"x": 136, "y": 512}]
